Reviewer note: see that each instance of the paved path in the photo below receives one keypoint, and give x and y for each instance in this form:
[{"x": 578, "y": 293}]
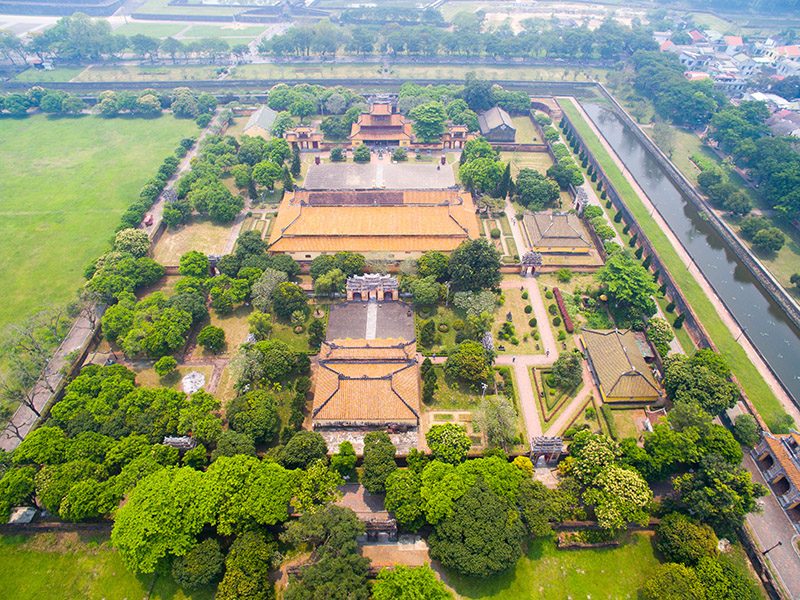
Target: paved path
[
  {"x": 24, "y": 418},
  {"x": 569, "y": 413},
  {"x": 773, "y": 526},
  {"x": 516, "y": 231},
  {"x": 722, "y": 311}
]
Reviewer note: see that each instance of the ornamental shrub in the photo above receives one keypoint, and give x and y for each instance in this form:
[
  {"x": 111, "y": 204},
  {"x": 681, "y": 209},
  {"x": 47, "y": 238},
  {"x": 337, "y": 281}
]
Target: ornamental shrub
[
  {"x": 524, "y": 295},
  {"x": 495, "y": 233},
  {"x": 528, "y": 309},
  {"x": 532, "y": 322},
  {"x": 679, "y": 321},
  {"x": 552, "y": 309},
  {"x": 548, "y": 294}
]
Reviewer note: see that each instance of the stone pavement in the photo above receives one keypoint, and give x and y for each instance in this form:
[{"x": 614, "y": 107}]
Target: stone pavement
[
  {"x": 773, "y": 526},
  {"x": 24, "y": 418}
]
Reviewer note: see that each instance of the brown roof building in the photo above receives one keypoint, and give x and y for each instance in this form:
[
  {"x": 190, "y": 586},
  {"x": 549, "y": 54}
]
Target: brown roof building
[
  {"x": 778, "y": 457},
  {"x": 304, "y": 136},
  {"x": 555, "y": 232},
  {"x": 367, "y": 383},
  {"x": 381, "y": 126},
  {"x": 311, "y": 222},
  {"x": 619, "y": 367}
]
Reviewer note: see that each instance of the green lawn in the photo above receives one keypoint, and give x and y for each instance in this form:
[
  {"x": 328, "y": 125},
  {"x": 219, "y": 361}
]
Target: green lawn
[
  {"x": 750, "y": 379},
  {"x": 526, "y": 132},
  {"x": 445, "y": 341},
  {"x": 64, "y": 184},
  {"x": 523, "y": 332},
  {"x": 162, "y": 7},
  {"x": 60, "y": 74},
  {"x": 159, "y": 30},
  {"x": 202, "y": 31},
  {"x": 452, "y": 394},
  {"x": 545, "y": 573},
  {"x": 70, "y": 568},
  {"x": 145, "y": 73}
]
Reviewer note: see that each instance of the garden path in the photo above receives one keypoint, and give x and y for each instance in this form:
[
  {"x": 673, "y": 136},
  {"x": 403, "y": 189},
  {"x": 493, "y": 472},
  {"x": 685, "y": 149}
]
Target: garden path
[{"x": 588, "y": 390}]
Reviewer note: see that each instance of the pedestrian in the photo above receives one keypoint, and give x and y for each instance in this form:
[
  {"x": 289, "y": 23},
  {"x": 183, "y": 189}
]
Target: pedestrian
[
  {"x": 513, "y": 359},
  {"x": 547, "y": 352}
]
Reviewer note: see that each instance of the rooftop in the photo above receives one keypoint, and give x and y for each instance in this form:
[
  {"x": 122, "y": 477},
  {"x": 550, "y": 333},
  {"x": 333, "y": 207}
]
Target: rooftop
[
  {"x": 360, "y": 381},
  {"x": 263, "y": 118},
  {"x": 619, "y": 364},
  {"x": 494, "y": 118},
  {"x": 333, "y": 176},
  {"x": 555, "y": 230}
]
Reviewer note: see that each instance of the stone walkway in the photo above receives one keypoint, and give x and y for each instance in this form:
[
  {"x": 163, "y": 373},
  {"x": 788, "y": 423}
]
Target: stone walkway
[
  {"x": 25, "y": 418},
  {"x": 565, "y": 417}
]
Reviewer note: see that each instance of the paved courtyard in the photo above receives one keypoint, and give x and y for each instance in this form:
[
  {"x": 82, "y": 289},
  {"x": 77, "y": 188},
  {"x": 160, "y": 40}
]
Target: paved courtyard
[
  {"x": 371, "y": 320},
  {"x": 338, "y": 176}
]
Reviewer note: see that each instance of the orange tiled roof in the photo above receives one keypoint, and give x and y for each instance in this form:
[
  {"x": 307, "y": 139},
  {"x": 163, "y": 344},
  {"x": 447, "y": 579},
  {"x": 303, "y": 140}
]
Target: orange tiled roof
[
  {"x": 367, "y": 381},
  {"x": 404, "y": 228},
  {"x": 782, "y": 456}
]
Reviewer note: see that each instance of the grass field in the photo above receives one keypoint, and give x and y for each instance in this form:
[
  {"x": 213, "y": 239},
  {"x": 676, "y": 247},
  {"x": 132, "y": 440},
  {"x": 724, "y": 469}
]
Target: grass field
[
  {"x": 159, "y": 30},
  {"x": 60, "y": 74},
  {"x": 162, "y": 7},
  {"x": 526, "y": 132},
  {"x": 750, "y": 379},
  {"x": 545, "y": 573},
  {"x": 64, "y": 184},
  {"x": 202, "y": 31},
  {"x": 67, "y": 567},
  {"x": 200, "y": 234},
  {"x": 145, "y": 74}
]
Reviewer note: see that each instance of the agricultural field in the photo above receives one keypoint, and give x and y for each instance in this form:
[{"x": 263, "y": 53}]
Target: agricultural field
[{"x": 54, "y": 225}]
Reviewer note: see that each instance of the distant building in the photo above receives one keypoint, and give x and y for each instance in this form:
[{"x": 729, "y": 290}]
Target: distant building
[
  {"x": 778, "y": 457},
  {"x": 560, "y": 233},
  {"x": 304, "y": 136},
  {"x": 783, "y": 53},
  {"x": 496, "y": 125},
  {"x": 381, "y": 126},
  {"x": 456, "y": 136},
  {"x": 260, "y": 122},
  {"x": 619, "y": 367},
  {"x": 372, "y": 286}
]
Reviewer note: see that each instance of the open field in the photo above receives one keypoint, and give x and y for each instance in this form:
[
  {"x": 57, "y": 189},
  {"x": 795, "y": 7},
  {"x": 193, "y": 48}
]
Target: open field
[
  {"x": 60, "y": 74},
  {"x": 545, "y": 573},
  {"x": 159, "y": 30},
  {"x": 202, "y": 31},
  {"x": 523, "y": 332},
  {"x": 145, "y": 73},
  {"x": 526, "y": 132},
  {"x": 200, "y": 234},
  {"x": 538, "y": 161},
  {"x": 64, "y": 184},
  {"x": 70, "y": 567},
  {"x": 149, "y": 378},
  {"x": 161, "y": 7},
  {"x": 750, "y": 379}
]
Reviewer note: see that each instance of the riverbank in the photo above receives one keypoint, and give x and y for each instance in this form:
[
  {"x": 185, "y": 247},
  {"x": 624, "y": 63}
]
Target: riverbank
[{"x": 754, "y": 376}]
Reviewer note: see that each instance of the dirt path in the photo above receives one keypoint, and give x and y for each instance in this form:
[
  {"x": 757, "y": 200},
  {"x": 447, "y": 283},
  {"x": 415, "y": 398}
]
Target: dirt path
[{"x": 722, "y": 311}]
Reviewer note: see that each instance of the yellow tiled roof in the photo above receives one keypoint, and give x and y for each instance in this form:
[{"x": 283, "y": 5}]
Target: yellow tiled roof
[
  {"x": 782, "y": 455},
  {"x": 619, "y": 364},
  {"x": 362, "y": 381},
  {"x": 373, "y": 228}
]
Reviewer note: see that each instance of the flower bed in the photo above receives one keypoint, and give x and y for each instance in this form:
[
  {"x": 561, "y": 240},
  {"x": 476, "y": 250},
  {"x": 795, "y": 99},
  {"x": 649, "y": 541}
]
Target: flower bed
[{"x": 560, "y": 301}]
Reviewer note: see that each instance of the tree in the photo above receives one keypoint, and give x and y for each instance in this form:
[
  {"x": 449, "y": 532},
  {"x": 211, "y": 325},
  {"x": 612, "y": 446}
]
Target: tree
[
  {"x": 283, "y": 122},
  {"x": 425, "y": 290},
  {"x": 696, "y": 379},
  {"x": 477, "y": 92},
  {"x": 448, "y": 443},
  {"x": 316, "y": 333},
  {"x": 288, "y": 298},
  {"x": 262, "y": 290},
  {"x": 409, "y": 583},
  {"x": 247, "y": 568},
  {"x": 318, "y": 487},
  {"x": 479, "y": 539},
  {"x": 337, "y": 154},
  {"x": 684, "y": 540},
  {"x": 378, "y": 464},
  {"x": 344, "y": 461},
  {"x": 260, "y": 324},
  {"x": 330, "y": 283},
  {"x": 720, "y": 493},
  {"x": 746, "y": 431},
  {"x": 361, "y": 154},
  {"x": 304, "y": 448},
  {"x": 162, "y": 517},
  {"x": 404, "y": 500},
  {"x": 16, "y": 487},
  {"x": 429, "y": 120},
  {"x": 132, "y": 241},
  {"x": 468, "y": 362},
  {"x": 659, "y": 331},
  {"x": 266, "y": 173},
  {"x": 568, "y": 370},
  {"x": 738, "y": 203},
  {"x": 534, "y": 190},
  {"x": 255, "y": 414},
  {"x": 628, "y": 285},
  {"x": 432, "y": 264},
  {"x": 673, "y": 582},
  {"x": 770, "y": 239},
  {"x": 620, "y": 496},
  {"x": 475, "y": 265},
  {"x": 723, "y": 579},
  {"x": 211, "y": 338},
  {"x": 231, "y": 443},
  {"x": 482, "y": 174},
  {"x": 498, "y": 419},
  {"x": 165, "y": 365},
  {"x": 199, "y": 567},
  {"x": 194, "y": 264},
  {"x": 752, "y": 225}
]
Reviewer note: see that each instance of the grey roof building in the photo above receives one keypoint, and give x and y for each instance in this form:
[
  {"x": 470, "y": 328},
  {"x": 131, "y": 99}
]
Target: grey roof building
[
  {"x": 555, "y": 232},
  {"x": 496, "y": 125},
  {"x": 260, "y": 122}
]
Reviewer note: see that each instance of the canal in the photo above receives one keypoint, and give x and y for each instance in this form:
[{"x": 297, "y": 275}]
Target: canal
[{"x": 770, "y": 331}]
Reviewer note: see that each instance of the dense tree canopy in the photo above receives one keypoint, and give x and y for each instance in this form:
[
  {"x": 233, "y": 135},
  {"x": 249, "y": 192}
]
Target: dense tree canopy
[{"x": 474, "y": 265}]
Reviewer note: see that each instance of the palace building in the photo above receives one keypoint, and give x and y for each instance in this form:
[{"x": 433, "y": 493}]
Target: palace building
[{"x": 381, "y": 126}]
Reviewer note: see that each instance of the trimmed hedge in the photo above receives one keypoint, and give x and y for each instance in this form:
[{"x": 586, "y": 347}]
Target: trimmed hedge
[{"x": 563, "y": 308}]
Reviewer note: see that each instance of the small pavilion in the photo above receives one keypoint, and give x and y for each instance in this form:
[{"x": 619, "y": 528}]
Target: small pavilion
[{"x": 373, "y": 286}]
